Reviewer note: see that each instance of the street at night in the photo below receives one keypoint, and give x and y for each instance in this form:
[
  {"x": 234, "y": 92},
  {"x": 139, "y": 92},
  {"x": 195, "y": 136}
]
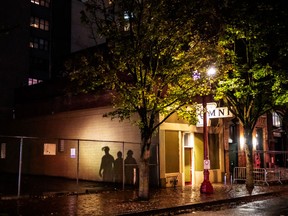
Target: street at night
[
  {"x": 226, "y": 199},
  {"x": 265, "y": 206},
  {"x": 143, "y": 107}
]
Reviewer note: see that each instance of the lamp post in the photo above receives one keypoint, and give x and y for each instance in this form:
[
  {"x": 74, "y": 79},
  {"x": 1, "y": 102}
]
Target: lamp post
[{"x": 206, "y": 186}]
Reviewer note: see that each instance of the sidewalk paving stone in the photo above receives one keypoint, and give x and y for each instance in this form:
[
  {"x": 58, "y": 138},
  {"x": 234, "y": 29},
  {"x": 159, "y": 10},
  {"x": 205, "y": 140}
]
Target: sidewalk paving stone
[{"x": 116, "y": 201}]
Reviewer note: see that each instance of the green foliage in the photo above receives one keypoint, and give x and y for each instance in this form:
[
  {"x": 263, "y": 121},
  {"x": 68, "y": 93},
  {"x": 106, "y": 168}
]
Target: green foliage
[
  {"x": 248, "y": 86},
  {"x": 151, "y": 51},
  {"x": 255, "y": 54},
  {"x": 280, "y": 90}
]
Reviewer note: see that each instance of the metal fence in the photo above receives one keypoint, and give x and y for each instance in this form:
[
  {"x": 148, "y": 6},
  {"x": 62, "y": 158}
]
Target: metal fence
[
  {"x": 261, "y": 175},
  {"x": 77, "y": 159}
]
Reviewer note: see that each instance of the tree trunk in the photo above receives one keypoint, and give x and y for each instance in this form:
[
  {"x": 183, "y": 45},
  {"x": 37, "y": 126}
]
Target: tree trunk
[
  {"x": 144, "y": 179},
  {"x": 144, "y": 169},
  {"x": 249, "y": 159}
]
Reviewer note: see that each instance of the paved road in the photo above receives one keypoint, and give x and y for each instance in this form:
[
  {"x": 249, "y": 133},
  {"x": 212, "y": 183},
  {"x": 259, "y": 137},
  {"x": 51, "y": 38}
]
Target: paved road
[
  {"x": 268, "y": 206},
  {"x": 46, "y": 196},
  {"x": 64, "y": 205}
]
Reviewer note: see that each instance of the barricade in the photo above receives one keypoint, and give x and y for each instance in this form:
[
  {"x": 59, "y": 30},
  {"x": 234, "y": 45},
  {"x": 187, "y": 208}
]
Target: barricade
[
  {"x": 283, "y": 173},
  {"x": 260, "y": 175},
  {"x": 273, "y": 175},
  {"x": 239, "y": 174}
]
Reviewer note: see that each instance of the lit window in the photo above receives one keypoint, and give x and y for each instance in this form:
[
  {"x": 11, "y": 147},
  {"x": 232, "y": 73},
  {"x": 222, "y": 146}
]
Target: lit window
[
  {"x": 39, "y": 43},
  {"x": 127, "y": 17},
  {"x": 36, "y": 22},
  {"x": 44, "y": 3},
  {"x": 32, "y": 81},
  {"x": 276, "y": 120},
  {"x": 35, "y": 2},
  {"x": 31, "y": 44},
  {"x": 34, "y": 43}
]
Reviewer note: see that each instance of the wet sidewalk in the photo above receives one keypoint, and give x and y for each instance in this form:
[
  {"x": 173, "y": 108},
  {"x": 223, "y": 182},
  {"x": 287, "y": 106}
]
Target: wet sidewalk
[
  {"x": 111, "y": 200},
  {"x": 170, "y": 201}
]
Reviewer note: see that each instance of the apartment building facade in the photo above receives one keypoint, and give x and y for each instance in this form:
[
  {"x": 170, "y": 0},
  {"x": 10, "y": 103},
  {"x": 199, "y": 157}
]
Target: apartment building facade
[{"x": 34, "y": 43}]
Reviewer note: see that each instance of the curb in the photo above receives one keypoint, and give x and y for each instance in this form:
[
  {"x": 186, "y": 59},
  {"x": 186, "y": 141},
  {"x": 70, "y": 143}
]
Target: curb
[
  {"x": 197, "y": 206},
  {"x": 44, "y": 195}
]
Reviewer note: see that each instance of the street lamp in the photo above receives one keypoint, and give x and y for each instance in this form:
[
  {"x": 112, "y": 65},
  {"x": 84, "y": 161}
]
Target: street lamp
[{"x": 206, "y": 186}]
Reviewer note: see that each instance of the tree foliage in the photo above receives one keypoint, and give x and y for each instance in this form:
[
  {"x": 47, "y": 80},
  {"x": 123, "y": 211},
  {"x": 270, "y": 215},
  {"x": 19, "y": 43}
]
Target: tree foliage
[
  {"x": 152, "y": 50},
  {"x": 256, "y": 62}
]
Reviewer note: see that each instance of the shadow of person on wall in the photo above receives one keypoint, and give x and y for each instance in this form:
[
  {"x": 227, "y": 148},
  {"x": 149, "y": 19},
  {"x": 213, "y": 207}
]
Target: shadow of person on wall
[
  {"x": 118, "y": 168},
  {"x": 130, "y": 168},
  {"x": 107, "y": 165}
]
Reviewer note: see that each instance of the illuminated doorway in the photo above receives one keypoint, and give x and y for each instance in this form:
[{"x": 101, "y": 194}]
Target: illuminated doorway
[
  {"x": 188, "y": 154},
  {"x": 188, "y": 157}
]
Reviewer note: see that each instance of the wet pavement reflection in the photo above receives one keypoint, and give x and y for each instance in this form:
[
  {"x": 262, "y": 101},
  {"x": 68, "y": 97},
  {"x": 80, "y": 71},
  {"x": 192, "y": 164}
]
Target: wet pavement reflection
[{"x": 117, "y": 202}]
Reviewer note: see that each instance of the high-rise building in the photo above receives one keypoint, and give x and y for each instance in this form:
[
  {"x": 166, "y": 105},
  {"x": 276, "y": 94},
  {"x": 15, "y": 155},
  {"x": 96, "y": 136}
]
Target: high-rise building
[{"x": 35, "y": 37}]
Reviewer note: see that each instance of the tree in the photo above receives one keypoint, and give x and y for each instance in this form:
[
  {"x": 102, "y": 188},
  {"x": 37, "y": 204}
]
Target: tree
[
  {"x": 151, "y": 48},
  {"x": 248, "y": 89}
]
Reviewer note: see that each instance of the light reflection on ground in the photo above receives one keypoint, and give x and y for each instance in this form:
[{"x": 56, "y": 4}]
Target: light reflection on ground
[{"x": 115, "y": 202}]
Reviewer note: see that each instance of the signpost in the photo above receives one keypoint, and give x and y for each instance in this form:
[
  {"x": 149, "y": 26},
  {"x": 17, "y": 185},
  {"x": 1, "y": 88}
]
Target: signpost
[{"x": 209, "y": 110}]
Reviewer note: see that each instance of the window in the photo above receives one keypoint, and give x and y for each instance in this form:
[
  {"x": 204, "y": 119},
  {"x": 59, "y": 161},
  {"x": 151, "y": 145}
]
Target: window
[
  {"x": 3, "y": 151},
  {"x": 172, "y": 151},
  {"x": 188, "y": 140},
  {"x": 39, "y": 64},
  {"x": 42, "y": 44},
  {"x": 127, "y": 17},
  {"x": 36, "y": 22},
  {"x": 44, "y": 3},
  {"x": 34, "y": 43},
  {"x": 38, "y": 43},
  {"x": 32, "y": 81},
  {"x": 35, "y": 2},
  {"x": 276, "y": 120}
]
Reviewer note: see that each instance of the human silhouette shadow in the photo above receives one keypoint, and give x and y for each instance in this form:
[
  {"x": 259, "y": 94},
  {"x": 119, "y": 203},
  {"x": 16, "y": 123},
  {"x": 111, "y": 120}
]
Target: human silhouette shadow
[
  {"x": 118, "y": 168},
  {"x": 107, "y": 166},
  {"x": 130, "y": 166}
]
